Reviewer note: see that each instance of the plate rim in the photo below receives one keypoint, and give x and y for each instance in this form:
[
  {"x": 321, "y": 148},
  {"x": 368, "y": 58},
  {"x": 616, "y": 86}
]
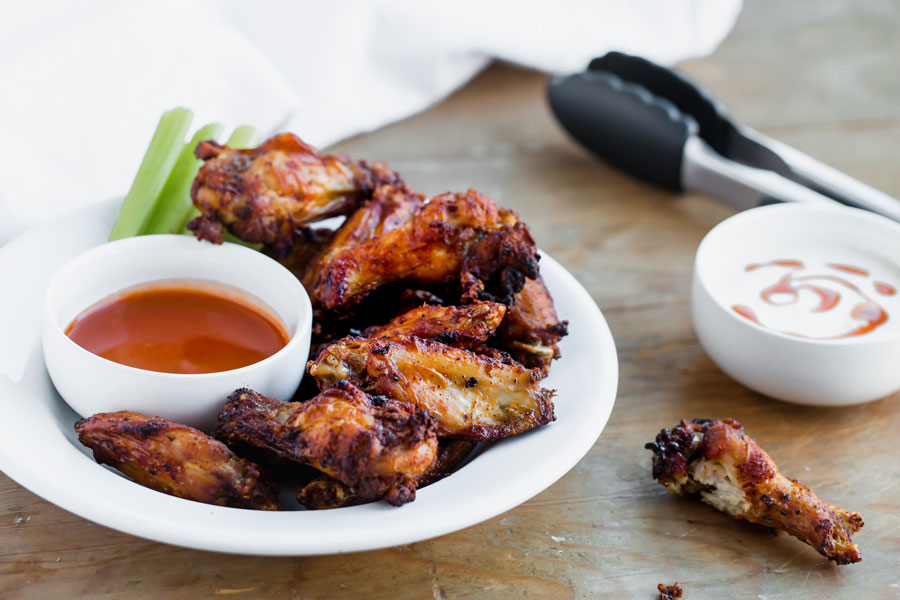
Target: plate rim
[{"x": 127, "y": 518}]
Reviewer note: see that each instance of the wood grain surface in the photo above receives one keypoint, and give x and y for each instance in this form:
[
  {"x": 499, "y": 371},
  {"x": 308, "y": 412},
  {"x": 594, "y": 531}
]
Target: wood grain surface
[{"x": 820, "y": 76}]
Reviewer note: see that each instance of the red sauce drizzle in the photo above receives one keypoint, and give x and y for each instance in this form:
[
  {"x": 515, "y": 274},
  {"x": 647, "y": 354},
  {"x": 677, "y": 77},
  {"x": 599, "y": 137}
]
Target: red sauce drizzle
[
  {"x": 884, "y": 289},
  {"x": 786, "y": 291},
  {"x": 849, "y": 269},
  {"x": 746, "y": 312}
]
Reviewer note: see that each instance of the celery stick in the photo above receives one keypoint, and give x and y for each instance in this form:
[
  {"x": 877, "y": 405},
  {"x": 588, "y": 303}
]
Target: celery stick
[
  {"x": 174, "y": 203},
  {"x": 152, "y": 174},
  {"x": 243, "y": 137}
]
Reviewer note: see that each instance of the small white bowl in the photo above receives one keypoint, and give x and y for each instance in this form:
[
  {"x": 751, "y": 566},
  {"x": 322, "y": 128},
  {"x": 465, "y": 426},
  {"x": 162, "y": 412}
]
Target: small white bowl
[
  {"x": 770, "y": 357},
  {"x": 92, "y": 384}
]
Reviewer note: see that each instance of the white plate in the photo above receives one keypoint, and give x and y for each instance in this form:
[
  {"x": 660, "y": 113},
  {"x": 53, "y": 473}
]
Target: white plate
[{"x": 41, "y": 453}]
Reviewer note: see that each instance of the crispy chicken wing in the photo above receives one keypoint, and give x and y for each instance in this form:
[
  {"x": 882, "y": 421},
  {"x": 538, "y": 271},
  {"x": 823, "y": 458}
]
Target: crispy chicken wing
[
  {"x": 176, "y": 459},
  {"x": 531, "y": 330},
  {"x": 729, "y": 470},
  {"x": 460, "y": 326},
  {"x": 375, "y": 445},
  {"x": 325, "y": 492},
  {"x": 455, "y": 237},
  {"x": 263, "y": 194},
  {"x": 390, "y": 206},
  {"x": 472, "y": 396}
]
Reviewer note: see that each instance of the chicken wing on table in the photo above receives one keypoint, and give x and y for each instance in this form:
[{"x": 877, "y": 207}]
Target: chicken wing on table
[
  {"x": 472, "y": 396},
  {"x": 264, "y": 194},
  {"x": 460, "y": 326},
  {"x": 374, "y": 445},
  {"x": 729, "y": 470},
  {"x": 464, "y": 238},
  {"x": 531, "y": 329},
  {"x": 326, "y": 492},
  {"x": 176, "y": 459}
]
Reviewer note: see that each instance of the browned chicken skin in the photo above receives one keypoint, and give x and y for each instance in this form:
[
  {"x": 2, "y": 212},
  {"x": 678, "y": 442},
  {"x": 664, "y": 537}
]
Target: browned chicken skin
[
  {"x": 374, "y": 445},
  {"x": 454, "y": 237},
  {"x": 389, "y": 207},
  {"x": 472, "y": 396},
  {"x": 729, "y": 470},
  {"x": 176, "y": 459},
  {"x": 264, "y": 194},
  {"x": 460, "y": 326},
  {"x": 325, "y": 492},
  {"x": 531, "y": 330}
]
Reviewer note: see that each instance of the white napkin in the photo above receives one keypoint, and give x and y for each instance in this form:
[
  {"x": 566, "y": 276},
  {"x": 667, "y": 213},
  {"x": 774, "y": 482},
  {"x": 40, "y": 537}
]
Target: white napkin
[{"x": 83, "y": 84}]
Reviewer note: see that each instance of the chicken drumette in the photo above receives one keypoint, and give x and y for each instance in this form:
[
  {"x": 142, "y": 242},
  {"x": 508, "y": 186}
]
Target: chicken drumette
[
  {"x": 472, "y": 396},
  {"x": 728, "y": 470},
  {"x": 374, "y": 445},
  {"x": 264, "y": 194},
  {"x": 176, "y": 459}
]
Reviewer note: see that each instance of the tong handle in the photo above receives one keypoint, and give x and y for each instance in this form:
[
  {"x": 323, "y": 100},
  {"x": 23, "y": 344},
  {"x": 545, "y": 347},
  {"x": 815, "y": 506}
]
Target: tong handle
[{"x": 624, "y": 124}]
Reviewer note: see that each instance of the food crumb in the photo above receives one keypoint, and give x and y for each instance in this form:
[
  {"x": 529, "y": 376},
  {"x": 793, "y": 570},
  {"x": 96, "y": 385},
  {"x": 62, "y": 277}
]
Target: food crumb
[
  {"x": 669, "y": 592},
  {"x": 20, "y": 519}
]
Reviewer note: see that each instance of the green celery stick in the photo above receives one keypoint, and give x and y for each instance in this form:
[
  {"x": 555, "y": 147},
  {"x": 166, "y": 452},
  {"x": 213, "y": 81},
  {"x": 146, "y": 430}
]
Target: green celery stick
[
  {"x": 174, "y": 204},
  {"x": 161, "y": 155},
  {"x": 243, "y": 137}
]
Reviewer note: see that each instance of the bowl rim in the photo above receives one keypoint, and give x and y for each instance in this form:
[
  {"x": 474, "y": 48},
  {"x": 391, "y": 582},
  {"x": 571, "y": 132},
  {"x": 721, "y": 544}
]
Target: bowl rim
[
  {"x": 302, "y": 331},
  {"x": 843, "y": 212}
]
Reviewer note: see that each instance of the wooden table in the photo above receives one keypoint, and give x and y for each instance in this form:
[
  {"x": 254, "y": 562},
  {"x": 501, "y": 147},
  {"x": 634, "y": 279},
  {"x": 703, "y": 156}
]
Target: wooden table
[{"x": 826, "y": 83}]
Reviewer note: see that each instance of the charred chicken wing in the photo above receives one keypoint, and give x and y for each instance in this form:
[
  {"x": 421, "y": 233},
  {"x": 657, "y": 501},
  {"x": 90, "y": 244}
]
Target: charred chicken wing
[
  {"x": 460, "y": 326},
  {"x": 531, "y": 330},
  {"x": 176, "y": 459},
  {"x": 263, "y": 194},
  {"x": 465, "y": 238},
  {"x": 325, "y": 492},
  {"x": 728, "y": 470},
  {"x": 376, "y": 446},
  {"x": 472, "y": 396}
]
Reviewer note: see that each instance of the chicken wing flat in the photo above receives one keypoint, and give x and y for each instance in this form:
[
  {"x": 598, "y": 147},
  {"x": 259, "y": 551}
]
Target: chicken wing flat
[
  {"x": 176, "y": 459},
  {"x": 531, "y": 330},
  {"x": 472, "y": 396},
  {"x": 460, "y": 326},
  {"x": 263, "y": 194},
  {"x": 728, "y": 470},
  {"x": 455, "y": 237},
  {"x": 325, "y": 492},
  {"x": 374, "y": 445}
]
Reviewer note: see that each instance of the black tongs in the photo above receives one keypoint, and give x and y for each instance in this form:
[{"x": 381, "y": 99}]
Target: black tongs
[{"x": 660, "y": 126}]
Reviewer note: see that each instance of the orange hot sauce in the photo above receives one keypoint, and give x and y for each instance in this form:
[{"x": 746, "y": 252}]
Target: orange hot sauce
[{"x": 179, "y": 328}]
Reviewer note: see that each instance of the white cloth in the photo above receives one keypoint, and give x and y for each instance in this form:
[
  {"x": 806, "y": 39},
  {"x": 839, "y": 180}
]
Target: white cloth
[{"x": 82, "y": 84}]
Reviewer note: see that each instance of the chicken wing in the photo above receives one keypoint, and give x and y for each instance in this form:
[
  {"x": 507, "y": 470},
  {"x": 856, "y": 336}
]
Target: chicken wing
[
  {"x": 176, "y": 459},
  {"x": 472, "y": 396},
  {"x": 263, "y": 194},
  {"x": 460, "y": 326},
  {"x": 729, "y": 470},
  {"x": 390, "y": 206},
  {"x": 531, "y": 330},
  {"x": 325, "y": 492},
  {"x": 376, "y": 446},
  {"x": 455, "y": 237}
]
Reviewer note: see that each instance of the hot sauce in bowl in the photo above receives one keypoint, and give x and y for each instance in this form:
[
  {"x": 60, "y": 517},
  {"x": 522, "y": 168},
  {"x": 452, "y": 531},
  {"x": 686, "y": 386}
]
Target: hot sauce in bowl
[{"x": 179, "y": 326}]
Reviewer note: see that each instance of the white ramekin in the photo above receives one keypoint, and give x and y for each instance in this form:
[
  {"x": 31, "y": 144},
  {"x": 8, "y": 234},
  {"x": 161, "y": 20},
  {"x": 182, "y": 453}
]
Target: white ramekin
[{"x": 92, "y": 384}]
